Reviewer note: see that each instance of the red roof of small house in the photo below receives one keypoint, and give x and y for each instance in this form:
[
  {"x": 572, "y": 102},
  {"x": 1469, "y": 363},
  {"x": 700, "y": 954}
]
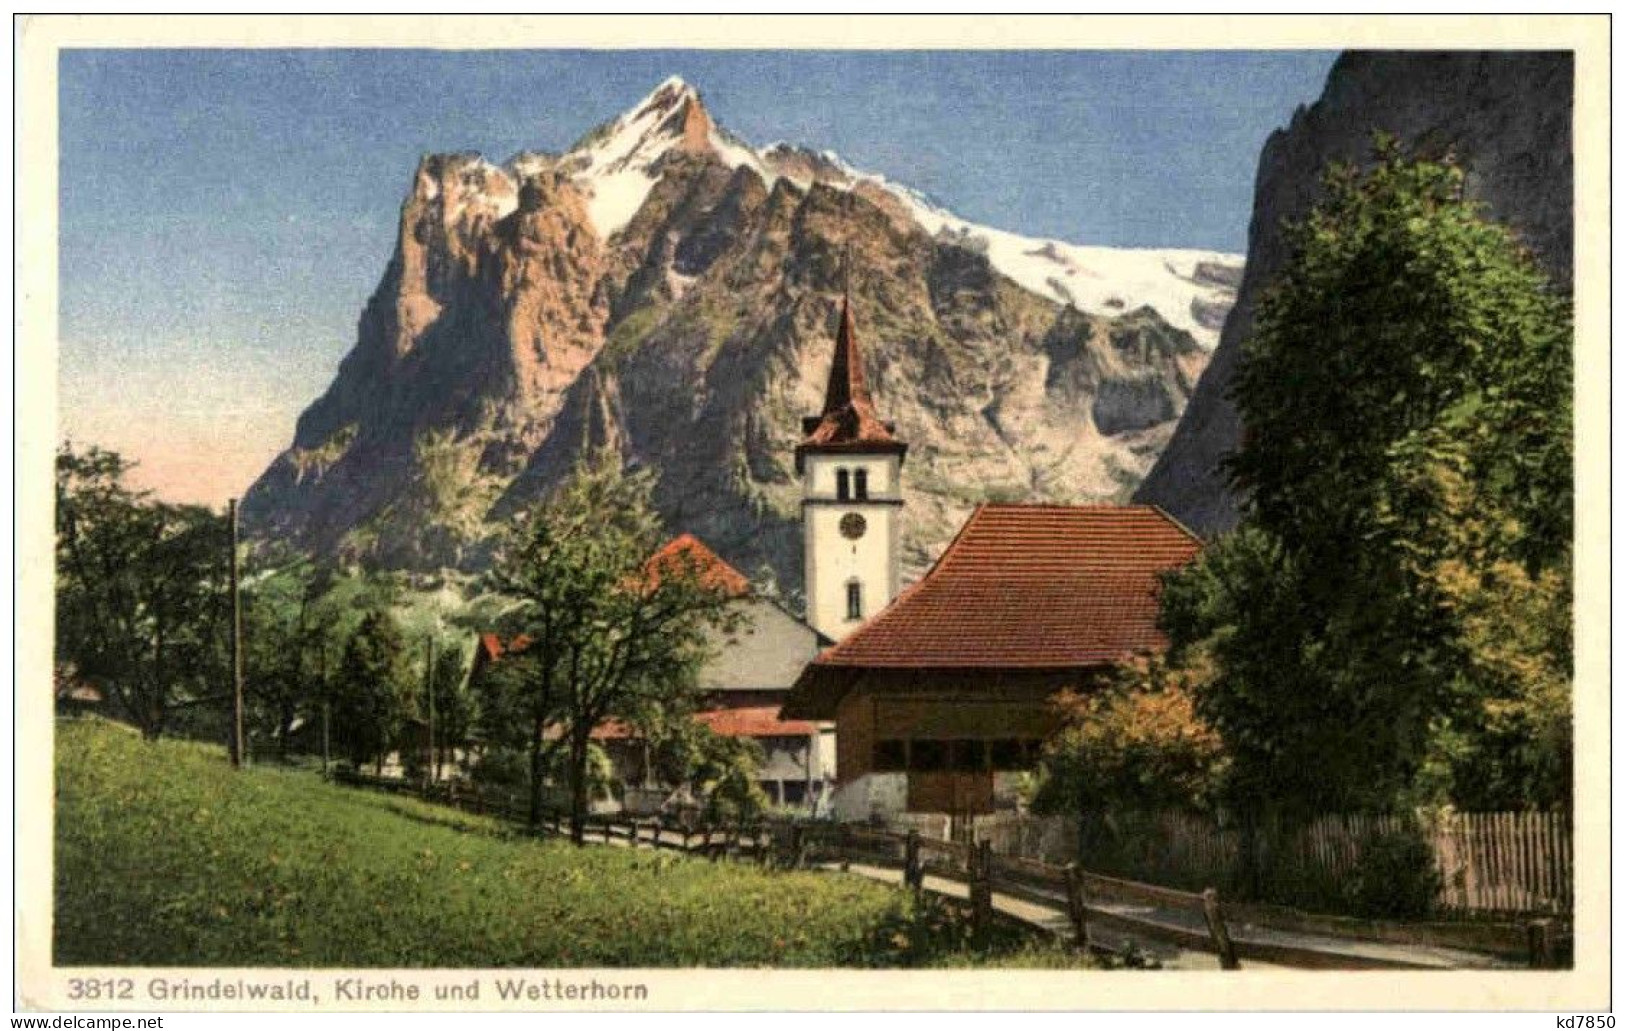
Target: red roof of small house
[
  {"x": 1028, "y": 587},
  {"x": 749, "y": 721},
  {"x": 712, "y": 570},
  {"x": 755, "y": 721},
  {"x": 849, "y": 421},
  {"x": 493, "y": 648}
]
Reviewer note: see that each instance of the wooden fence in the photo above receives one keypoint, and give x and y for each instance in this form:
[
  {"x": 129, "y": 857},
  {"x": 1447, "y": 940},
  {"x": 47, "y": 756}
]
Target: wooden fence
[
  {"x": 1488, "y": 864},
  {"x": 1191, "y": 919}
]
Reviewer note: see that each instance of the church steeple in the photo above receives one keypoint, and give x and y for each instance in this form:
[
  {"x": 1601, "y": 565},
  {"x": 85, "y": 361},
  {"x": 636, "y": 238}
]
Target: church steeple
[
  {"x": 851, "y": 466},
  {"x": 848, "y": 422},
  {"x": 846, "y": 381}
]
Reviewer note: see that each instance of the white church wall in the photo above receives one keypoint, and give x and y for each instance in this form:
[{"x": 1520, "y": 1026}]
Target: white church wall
[{"x": 833, "y": 560}]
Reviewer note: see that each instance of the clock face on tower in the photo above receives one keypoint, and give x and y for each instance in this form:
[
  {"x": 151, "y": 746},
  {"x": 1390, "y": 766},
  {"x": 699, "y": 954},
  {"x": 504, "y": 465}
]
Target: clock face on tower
[{"x": 852, "y": 526}]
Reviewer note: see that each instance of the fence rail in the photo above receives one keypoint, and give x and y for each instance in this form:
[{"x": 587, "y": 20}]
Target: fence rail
[
  {"x": 1488, "y": 864},
  {"x": 1191, "y": 919}
]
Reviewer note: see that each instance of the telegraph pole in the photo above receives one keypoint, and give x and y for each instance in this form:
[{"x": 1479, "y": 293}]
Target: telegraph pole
[
  {"x": 238, "y": 752},
  {"x": 327, "y": 705},
  {"x": 428, "y": 679}
]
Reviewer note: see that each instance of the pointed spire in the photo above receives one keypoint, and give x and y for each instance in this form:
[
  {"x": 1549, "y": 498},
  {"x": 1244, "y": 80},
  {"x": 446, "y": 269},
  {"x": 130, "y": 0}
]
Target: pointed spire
[
  {"x": 846, "y": 380},
  {"x": 848, "y": 421}
]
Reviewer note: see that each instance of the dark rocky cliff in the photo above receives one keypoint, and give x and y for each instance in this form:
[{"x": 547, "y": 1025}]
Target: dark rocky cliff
[{"x": 1506, "y": 116}]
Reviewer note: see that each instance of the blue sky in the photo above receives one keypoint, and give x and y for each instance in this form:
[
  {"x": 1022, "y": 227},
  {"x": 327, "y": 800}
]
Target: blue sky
[{"x": 225, "y": 214}]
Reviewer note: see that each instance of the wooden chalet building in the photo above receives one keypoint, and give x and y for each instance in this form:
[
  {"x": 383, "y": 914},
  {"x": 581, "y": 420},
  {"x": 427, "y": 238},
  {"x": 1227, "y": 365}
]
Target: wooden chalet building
[{"x": 942, "y": 696}]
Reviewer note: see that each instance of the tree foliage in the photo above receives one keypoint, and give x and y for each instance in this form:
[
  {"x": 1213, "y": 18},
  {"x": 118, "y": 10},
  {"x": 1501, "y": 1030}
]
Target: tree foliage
[
  {"x": 1136, "y": 743},
  {"x": 299, "y": 617},
  {"x": 375, "y": 690},
  {"x": 609, "y": 637},
  {"x": 720, "y": 772},
  {"x": 1391, "y": 625},
  {"x": 456, "y": 709},
  {"x": 140, "y": 591}
]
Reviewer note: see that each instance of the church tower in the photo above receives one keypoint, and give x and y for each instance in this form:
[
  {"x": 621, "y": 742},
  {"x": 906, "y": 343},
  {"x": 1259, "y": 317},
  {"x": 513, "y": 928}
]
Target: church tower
[{"x": 851, "y": 497}]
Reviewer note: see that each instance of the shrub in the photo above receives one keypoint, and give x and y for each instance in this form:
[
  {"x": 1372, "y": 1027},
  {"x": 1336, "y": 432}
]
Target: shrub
[{"x": 1395, "y": 877}]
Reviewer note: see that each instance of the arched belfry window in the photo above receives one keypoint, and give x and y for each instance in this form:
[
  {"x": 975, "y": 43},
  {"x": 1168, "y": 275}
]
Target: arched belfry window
[
  {"x": 843, "y": 485},
  {"x": 860, "y": 484},
  {"x": 854, "y": 599}
]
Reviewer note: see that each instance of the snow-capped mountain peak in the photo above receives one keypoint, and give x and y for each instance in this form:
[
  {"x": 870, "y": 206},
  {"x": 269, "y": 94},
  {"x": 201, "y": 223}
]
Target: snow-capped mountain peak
[{"x": 617, "y": 164}]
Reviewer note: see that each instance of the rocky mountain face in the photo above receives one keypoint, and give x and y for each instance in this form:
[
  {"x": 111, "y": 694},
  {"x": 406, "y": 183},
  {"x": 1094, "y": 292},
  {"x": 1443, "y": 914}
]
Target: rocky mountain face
[
  {"x": 1506, "y": 116},
  {"x": 667, "y": 290}
]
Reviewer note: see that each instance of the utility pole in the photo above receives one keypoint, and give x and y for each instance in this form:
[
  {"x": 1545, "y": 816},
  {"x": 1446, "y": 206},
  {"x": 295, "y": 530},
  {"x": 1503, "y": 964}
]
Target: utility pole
[
  {"x": 327, "y": 706},
  {"x": 428, "y": 680},
  {"x": 238, "y": 752}
]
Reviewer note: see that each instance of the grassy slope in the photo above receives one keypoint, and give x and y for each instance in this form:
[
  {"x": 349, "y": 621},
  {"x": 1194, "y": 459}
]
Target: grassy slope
[{"x": 166, "y": 857}]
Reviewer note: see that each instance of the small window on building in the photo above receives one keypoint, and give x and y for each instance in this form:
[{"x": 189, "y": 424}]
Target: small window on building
[
  {"x": 967, "y": 756},
  {"x": 843, "y": 485},
  {"x": 928, "y": 756},
  {"x": 860, "y": 484},
  {"x": 795, "y": 792},
  {"x": 854, "y": 599},
  {"x": 890, "y": 756},
  {"x": 1007, "y": 754}
]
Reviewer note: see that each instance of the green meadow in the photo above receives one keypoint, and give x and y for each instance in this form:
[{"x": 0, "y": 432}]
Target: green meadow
[{"x": 165, "y": 856}]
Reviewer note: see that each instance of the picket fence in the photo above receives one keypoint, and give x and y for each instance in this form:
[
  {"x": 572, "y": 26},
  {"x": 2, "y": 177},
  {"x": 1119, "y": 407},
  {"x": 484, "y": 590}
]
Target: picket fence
[{"x": 1489, "y": 864}]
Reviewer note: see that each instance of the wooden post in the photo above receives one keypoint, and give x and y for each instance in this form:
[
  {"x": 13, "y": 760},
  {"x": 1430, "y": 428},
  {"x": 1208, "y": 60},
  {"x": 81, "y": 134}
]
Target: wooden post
[
  {"x": 428, "y": 680},
  {"x": 981, "y": 887},
  {"x": 913, "y": 876},
  {"x": 1221, "y": 934},
  {"x": 238, "y": 751},
  {"x": 1541, "y": 953},
  {"x": 1076, "y": 908},
  {"x": 326, "y": 740}
]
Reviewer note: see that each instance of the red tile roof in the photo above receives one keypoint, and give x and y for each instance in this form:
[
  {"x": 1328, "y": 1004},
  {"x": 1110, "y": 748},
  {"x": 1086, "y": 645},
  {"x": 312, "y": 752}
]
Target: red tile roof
[
  {"x": 749, "y": 721},
  {"x": 712, "y": 570},
  {"x": 1030, "y": 587},
  {"x": 848, "y": 421},
  {"x": 493, "y": 648},
  {"x": 755, "y": 721}
]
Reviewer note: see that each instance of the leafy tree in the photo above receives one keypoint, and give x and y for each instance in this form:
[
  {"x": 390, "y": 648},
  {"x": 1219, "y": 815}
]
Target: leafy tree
[
  {"x": 609, "y": 637},
  {"x": 455, "y": 706},
  {"x": 721, "y": 772},
  {"x": 298, "y": 619},
  {"x": 727, "y": 778},
  {"x": 1135, "y": 744},
  {"x": 140, "y": 591},
  {"x": 1396, "y": 599},
  {"x": 282, "y": 642},
  {"x": 1406, "y": 323},
  {"x": 374, "y": 691}
]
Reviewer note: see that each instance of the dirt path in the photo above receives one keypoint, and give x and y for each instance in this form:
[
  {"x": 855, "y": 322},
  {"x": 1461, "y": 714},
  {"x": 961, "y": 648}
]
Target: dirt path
[{"x": 1358, "y": 953}]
